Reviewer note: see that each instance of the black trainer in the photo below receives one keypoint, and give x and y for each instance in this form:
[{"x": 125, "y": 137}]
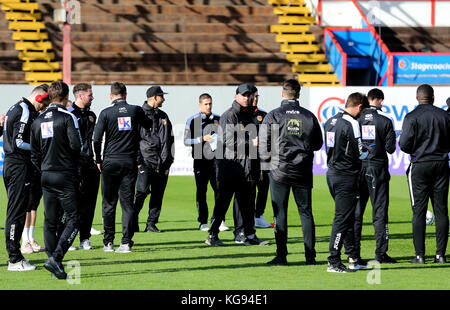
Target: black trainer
[
  {"x": 338, "y": 268},
  {"x": 152, "y": 228},
  {"x": 385, "y": 259},
  {"x": 255, "y": 241},
  {"x": 56, "y": 268},
  {"x": 214, "y": 241},
  {"x": 418, "y": 260},
  {"x": 240, "y": 238},
  {"x": 278, "y": 261},
  {"x": 439, "y": 259},
  {"x": 356, "y": 263}
]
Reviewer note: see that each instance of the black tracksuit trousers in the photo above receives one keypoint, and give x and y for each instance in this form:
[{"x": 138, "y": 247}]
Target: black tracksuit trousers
[
  {"x": 147, "y": 179},
  {"x": 258, "y": 199},
  {"x": 60, "y": 191},
  {"x": 429, "y": 180},
  {"x": 344, "y": 190},
  {"x": 204, "y": 172},
  {"x": 16, "y": 179},
  {"x": 279, "y": 193},
  {"x": 374, "y": 184},
  {"x": 118, "y": 181},
  {"x": 90, "y": 180},
  {"x": 231, "y": 180}
]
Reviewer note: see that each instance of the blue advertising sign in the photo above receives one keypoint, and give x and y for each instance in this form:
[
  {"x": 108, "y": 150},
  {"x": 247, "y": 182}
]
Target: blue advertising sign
[{"x": 422, "y": 68}]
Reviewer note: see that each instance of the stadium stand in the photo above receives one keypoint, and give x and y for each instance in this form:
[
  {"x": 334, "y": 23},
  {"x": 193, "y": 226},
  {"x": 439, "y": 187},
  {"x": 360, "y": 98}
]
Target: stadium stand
[
  {"x": 31, "y": 41},
  {"x": 416, "y": 39}
]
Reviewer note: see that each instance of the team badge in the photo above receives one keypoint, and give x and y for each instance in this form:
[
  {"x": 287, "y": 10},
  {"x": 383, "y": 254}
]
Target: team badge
[
  {"x": 91, "y": 119},
  {"x": 294, "y": 127},
  {"x": 259, "y": 118},
  {"x": 368, "y": 132},
  {"x": 124, "y": 123},
  {"x": 330, "y": 139},
  {"x": 164, "y": 122},
  {"x": 47, "y": 130}
]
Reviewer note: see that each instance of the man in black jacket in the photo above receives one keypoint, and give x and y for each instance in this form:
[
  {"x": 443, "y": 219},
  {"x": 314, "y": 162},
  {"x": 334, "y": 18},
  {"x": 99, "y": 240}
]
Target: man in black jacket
[
  {"x": 17, "y": 171},
  {"x": 55, "y": 150},
  {"x": 378, "y": 135},
  {"x": 426, "y": 137},
  {"x": 155, "y": 156},
  {"x": 237, "y": 146},
  {"x": 288, "y": 138},
  {"x": 344, "y": 153},
  {"x": 89, "y": 174},
  {"x": 201, "y": 134},
  {"x": 120, "y": 124}
]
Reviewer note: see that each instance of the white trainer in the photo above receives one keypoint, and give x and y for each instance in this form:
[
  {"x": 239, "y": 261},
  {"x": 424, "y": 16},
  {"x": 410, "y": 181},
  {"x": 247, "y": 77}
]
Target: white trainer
[
  {"x": 72, "y": 248},
  {"x": 204, "y": 227},
  {"x": 85, "y": 245},
  {"x": 23, "y": 265},
  {"x": 26, "y": 248},
  {"x": 261, "y": 222},
  {"x": 124, "y": 248},
  {"x": 223, "y": 227},
  {"x": 95, "y": 232},
  {"x": 109, "y": 247}
]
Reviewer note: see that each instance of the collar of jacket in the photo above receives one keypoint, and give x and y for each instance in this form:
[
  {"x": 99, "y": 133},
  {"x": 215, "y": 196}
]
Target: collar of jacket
[
  {"x": 75, "y": 107},
  {"x": 119, "y": 101},
  {"x": 345, "y": 112},
  {"x": 148, "y": 108},
  {"x": 238, "y": 108},
  {"x": 30, "y": 105},
  {"x": 290, "y": 101},
  {"x": 56, "y": 105},
  {"x": 372, "y": 107}
]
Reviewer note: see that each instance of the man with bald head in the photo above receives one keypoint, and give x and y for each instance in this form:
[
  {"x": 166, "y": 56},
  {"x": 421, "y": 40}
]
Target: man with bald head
[{"x": 426, "y": 137}]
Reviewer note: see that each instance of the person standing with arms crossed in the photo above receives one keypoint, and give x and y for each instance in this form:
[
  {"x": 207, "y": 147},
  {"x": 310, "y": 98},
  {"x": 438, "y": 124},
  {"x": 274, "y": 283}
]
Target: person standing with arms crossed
[
  {"x": 201, "y": 134},
  {"x": 118, "y": 168},
  {"x": 89, "y": 174},
  {"x": 155, "y": 156},
  {"x": 426, "y": 137},
  {"x": 55, "y": 150},
  {"x": 17, "y": 172},
  {"x": 344, "y": 153},
  {"x": 290, "y": 158}
]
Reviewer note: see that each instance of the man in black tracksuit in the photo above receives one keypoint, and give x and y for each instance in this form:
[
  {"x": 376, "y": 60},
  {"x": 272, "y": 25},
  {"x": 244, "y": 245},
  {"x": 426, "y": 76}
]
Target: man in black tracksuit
[
  {"x": 155, "y": 156},
  {"x": 426, "y": 137},
  {"x": 288, "y": 139},
  {"x": 88, "y": 171},
  {"x": 258, "y": 197},
  {"x": 120, "y": 124},
  {"x": 199, "y": 134},
  {"x": 17, "y": 172},
  {"x": 378, "y": 135},
  {"x": 344, "y": 153},
  {"x": 55, "y": 150},
  {"x": 237, "y": 146}
]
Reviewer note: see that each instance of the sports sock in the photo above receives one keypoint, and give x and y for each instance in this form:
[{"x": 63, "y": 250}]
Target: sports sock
[
  {"x": 25, "y": 234},
  {"x": 31, "y": 234}
]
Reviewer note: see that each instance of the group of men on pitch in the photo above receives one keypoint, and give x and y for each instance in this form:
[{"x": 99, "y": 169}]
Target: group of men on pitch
[
  {"x": 242, "y": 150},
  {"x": 56, "y": 146},
  {"x": 279, "y": 146}
]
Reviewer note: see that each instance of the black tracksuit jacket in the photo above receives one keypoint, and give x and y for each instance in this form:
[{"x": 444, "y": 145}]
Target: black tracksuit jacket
[
  {"x": 120, "y": 123},
  {"x": 55, "y": 140},
  {"x": 16, "y": 140},
  {"x": 156, "y": 145},
  {"x": 299, "y": 136},
  {"x": 430, "y": 142}
]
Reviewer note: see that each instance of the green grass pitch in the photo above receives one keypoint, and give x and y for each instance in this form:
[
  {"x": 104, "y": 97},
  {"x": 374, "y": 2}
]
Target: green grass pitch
[{"x": 178, "y": 258}]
